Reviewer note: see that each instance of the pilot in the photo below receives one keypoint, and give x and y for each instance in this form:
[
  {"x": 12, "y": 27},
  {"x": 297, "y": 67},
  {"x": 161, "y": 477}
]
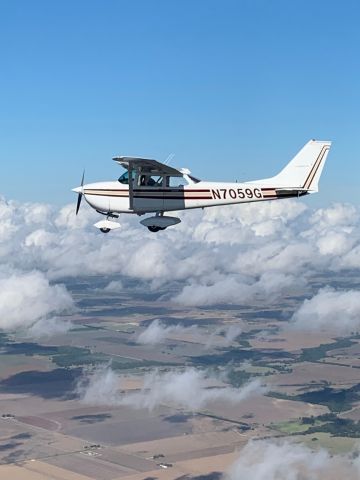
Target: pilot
[{"x": 143, "y": 180}]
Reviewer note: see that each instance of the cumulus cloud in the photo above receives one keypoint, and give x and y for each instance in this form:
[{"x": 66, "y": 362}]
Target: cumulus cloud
[
  {"x": 330, "y": 309},
  {"x": 226, "y": 336},
  {"x": 99, "y": 387},
  {"x": 115, "y": 286},
  {"x": 156, "y": 332},
  {"x": 27, "y": 298},
  {"x": 231, "y": 333},
  {"x": 190, "y": 388},
  {"x": 337, "y": 215},
  {"x": 237, "y": 289},
  {"x": 48, "y": 327},
  {"x": 267, "y": 460},
  {"x": 39, "y": 238}
]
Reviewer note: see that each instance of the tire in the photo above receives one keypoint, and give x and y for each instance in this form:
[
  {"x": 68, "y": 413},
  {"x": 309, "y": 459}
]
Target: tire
[
  {"x": 153, "y": 228},
  {"x": 105, "y": 230}
]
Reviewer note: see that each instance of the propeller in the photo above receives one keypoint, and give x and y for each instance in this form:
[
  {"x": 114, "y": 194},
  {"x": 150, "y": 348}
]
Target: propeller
[{"x": 80, "y": 191}]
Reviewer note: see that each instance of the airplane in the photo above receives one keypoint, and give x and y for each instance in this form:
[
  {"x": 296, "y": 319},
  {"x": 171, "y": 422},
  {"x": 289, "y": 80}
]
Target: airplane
[{"x": 158, "y": 188}]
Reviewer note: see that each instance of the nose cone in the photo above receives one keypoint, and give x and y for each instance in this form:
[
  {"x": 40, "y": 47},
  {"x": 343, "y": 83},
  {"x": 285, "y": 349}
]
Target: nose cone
[{"x": 78, "y": 190}]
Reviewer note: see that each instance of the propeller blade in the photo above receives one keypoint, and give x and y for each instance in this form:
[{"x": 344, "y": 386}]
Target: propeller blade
[
  {"x": 78, "y": 203},
  {"x": 80, "y": 194}
]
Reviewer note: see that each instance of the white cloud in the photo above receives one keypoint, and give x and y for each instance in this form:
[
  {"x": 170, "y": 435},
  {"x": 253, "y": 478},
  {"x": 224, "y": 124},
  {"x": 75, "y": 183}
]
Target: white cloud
[
  {"x": 156, "y": 332},
  {"x": 231, "y": 333},
  {"x": 329, "y": 309},
  {"x": 223, "y": 336},
  {"x": 26, "y": 298},
  {"x": 189, "y": 389},
  {"x": 36, "y": 213},
  {"x": 149, "y": 260},
  {"x": 99, "y": 387},
  {"x": 335, "y": 243},
  {"x": 267, "y": 460},
  {"x": 47, "y": 327},
  {"x": 237, "y": 289},
  {"x": 115, "y": 286},
  {"x": 39, "y": 238},
  {"x": 66, "y": 218},
  {"x": 336, "y": 215}
]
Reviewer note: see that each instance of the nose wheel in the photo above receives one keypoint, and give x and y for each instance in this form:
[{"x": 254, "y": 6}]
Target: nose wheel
[{"x": 106, "y": 225}]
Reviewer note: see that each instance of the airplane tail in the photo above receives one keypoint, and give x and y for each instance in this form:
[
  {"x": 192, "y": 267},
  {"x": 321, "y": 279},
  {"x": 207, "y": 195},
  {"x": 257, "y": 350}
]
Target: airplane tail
[{"x": 304, "y": 170}]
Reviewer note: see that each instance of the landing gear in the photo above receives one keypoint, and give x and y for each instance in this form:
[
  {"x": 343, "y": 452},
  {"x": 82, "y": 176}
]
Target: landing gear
[
  {"x": 154, "y": 228},
  {"x": 159, "y": 222},
  {"x": 106, "y": 225}
]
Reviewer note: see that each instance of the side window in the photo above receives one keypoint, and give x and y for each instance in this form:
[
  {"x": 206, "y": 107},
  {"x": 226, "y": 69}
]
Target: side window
[
  {"x": 176, "y": 182},
  {"x": 150, "y": 180}
]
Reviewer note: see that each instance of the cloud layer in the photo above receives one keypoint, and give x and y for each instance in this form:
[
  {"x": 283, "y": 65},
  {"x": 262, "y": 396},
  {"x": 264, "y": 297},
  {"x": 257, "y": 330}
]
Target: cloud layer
[
  {"x": 191, "y": 389},
  {"x": 236, "y": 254}
]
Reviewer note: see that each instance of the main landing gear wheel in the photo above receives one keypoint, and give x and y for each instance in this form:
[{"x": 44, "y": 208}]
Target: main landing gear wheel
[
  {"x": 153, "y": 228},
  {"x": 159, "y": 222},
  {"x": 105, "y": 230}
]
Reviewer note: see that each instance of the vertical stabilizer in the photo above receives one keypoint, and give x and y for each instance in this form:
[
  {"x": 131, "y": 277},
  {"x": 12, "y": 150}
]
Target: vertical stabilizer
[{"x": 305, "y": 168}]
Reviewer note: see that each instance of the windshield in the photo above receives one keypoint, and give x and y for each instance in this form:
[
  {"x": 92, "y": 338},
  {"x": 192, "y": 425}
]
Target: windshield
[
  {"x": 124, "y": 179},
  {"x": 194, "y": 179}
]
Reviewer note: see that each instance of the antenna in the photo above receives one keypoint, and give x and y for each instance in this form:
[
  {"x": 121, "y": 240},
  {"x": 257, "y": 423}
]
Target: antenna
[{"x": 169, "y": 158}]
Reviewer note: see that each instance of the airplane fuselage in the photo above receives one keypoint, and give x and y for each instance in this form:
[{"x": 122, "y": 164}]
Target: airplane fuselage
[{"x": 114, "y": 197}]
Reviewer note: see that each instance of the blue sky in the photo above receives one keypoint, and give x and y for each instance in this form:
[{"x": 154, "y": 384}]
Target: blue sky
[{"x": 232, "y": 88}]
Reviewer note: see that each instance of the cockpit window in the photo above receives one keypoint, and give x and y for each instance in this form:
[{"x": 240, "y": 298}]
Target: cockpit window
[
  {"x": 176, "y": 181},
  {"x": 124, "y": 179},
  {"x": 150, "y": 180}
]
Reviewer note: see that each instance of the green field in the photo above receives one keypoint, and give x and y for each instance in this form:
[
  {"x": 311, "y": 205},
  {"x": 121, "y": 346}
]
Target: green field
[{"x": 334, "y": 445}]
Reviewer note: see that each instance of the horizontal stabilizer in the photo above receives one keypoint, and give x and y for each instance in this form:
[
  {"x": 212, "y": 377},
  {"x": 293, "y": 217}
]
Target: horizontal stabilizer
[{"x": 291, "y": 191}]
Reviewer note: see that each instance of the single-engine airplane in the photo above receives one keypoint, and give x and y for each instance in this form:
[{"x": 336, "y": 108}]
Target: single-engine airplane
[{"x": 157, "y": 188}]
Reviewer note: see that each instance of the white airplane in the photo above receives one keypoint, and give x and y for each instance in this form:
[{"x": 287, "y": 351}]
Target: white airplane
[{"x": 158, "y": 188}]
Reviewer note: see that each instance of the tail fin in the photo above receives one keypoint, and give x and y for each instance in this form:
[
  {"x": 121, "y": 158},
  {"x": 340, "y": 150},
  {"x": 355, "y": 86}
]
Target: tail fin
[{"x": 304, "y": 170}]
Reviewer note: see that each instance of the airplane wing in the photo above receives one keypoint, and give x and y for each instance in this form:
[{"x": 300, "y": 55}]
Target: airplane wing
[{"x": 147, "y": 165}]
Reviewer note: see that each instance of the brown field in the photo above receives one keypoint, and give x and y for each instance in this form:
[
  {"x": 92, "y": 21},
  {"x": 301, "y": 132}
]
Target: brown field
[
  {"x": 304, "y": 374},
  {"x": 292, "y": 340}
]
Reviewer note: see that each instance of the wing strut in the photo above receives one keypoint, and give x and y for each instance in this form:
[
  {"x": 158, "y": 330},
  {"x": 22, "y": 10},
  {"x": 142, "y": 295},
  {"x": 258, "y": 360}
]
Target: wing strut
[{"x": 130, "y": 168}]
